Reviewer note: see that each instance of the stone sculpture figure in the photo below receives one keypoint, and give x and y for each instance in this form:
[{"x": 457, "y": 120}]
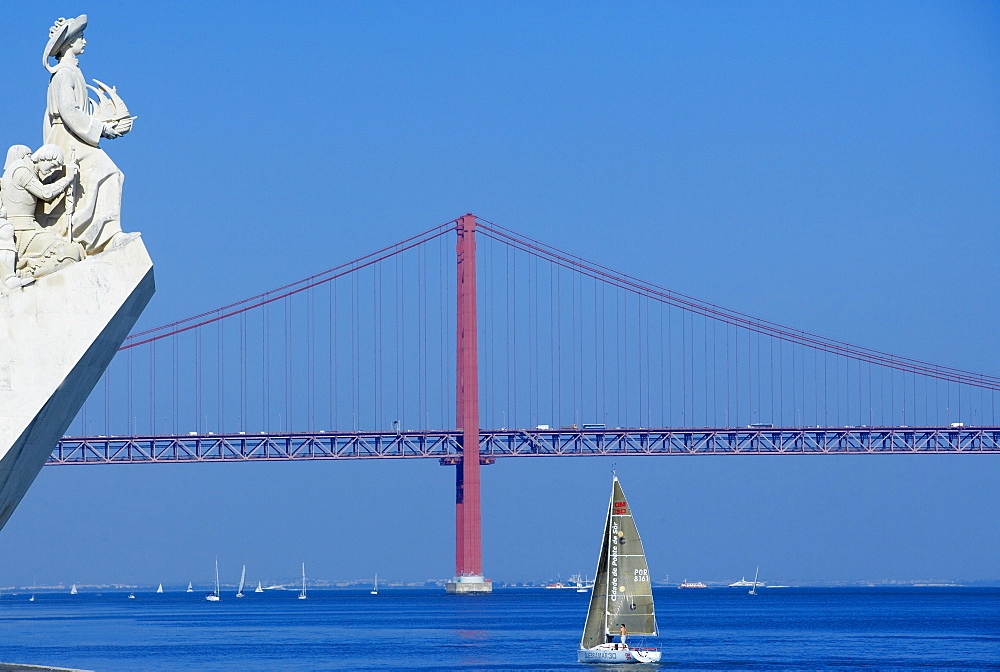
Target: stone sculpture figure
[
  {"x": 9, "y": 279},
  {"x": 27, "y": 179},
  {"x": 76, "y": 123}
]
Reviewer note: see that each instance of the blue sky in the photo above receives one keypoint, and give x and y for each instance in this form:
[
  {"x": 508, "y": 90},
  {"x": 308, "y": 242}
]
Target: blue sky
[{"x": 830, "y": 167}]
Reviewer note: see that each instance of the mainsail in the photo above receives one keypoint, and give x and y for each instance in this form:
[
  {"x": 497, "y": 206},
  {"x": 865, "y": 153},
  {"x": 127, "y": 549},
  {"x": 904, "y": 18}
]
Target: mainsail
[{"x": 622, "y": 592}]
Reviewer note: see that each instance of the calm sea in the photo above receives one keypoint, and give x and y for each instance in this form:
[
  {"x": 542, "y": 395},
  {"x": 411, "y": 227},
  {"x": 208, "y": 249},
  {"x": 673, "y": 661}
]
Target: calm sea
[{"x": 714, "y": 629}]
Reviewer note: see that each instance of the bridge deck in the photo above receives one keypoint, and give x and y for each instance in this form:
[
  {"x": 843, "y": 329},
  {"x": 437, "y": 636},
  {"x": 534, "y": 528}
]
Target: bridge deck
[{"x": 446, "y": 444}]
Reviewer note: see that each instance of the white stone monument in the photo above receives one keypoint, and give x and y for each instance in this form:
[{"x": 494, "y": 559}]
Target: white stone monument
[{"x": 72, "y": 284}]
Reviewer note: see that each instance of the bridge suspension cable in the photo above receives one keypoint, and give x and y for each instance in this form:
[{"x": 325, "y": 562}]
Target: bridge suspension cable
[{"x": 369, "y": 345}]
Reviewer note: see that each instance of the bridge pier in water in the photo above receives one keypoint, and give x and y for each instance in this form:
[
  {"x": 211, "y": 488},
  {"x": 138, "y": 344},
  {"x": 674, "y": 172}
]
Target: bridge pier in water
[{"x": 469, "y": 577}]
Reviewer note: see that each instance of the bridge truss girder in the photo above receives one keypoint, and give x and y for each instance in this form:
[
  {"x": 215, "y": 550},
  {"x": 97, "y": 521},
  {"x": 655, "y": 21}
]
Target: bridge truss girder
[{"x": 446, "y": 445}]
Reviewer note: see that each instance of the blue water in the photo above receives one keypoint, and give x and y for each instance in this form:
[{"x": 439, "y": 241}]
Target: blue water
[{"x": 781, "y": 629}]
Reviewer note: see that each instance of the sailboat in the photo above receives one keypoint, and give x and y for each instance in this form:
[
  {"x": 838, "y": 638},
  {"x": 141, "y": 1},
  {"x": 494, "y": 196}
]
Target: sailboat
[
  {"x": 258, "y": 589},
  {"x": 72, "y": 590},
  {"x": 190, "y": 589},
  {"x": 214, "y": 597},
  {"x": 302, "y": 595},
  {"x": 375, "y": 589},
  {"x": 622, "y": 595},
  {"x": 243, "y": 576},
  {"x": 159, "y": 588},
  {"x": 753, "y": 591}
]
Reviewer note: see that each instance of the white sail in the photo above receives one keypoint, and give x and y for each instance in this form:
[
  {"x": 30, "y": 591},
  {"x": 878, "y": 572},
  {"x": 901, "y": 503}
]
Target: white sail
[
  {"x": 243, "y": 576},
  {"x": 72, "y": 591},
  {"x": 159, "y": 588},
  {"x": 215, "y": 597},
  {"x": 622, "y": 594},
  {"x": 190, "y": 588},
  {"x": 259, "y": 588},
  {"x": 302, "y": 595},
  {"x": 375, "y": 588}
]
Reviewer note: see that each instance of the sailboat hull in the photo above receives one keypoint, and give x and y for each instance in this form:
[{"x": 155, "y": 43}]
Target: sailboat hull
[{"x": 615, "y": 653}]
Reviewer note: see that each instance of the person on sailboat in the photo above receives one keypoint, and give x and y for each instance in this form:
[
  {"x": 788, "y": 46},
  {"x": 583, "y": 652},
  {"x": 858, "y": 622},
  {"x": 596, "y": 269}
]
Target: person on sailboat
[{"x": 623, "y": 634}]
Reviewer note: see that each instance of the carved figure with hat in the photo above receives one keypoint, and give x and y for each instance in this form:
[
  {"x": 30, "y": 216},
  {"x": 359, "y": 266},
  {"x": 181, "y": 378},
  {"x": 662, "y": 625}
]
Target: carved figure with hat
[{"x": 77, "y": 123}]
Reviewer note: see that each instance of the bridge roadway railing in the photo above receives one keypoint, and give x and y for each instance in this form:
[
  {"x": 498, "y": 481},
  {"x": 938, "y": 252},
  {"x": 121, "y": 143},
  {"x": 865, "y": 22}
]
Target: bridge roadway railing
[{"x": 445, "y": 445}]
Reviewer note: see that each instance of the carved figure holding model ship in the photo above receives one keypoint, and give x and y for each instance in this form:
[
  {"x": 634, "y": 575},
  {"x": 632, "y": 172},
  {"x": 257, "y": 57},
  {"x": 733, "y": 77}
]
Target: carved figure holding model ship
[{"x": 76, "y": 123}]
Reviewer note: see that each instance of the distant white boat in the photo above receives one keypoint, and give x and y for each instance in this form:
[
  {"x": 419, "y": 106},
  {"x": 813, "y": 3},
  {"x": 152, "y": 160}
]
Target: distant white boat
[
  {"x": 72, "y": 591},
  {"x": 302, "y": 595},
  {"x": 692, "y": 584},
  {"x": 159, "y": 588},
  {"x": 214, "y": 597},
  {"x": 131, "y": 595},
  {"x": 243, "y": 576},
  {"x": 190, "y": 589},
  {"x": 753, "y": 591},
  {"x": 375, "y": 589},
  {"x": 258, "y": 589},
  {"x": 743, "y": 583}
]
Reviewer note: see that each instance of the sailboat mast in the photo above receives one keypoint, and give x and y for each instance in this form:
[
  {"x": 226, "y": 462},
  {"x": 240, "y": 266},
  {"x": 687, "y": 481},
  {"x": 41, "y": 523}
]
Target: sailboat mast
[{"x": 607, "y": 560}]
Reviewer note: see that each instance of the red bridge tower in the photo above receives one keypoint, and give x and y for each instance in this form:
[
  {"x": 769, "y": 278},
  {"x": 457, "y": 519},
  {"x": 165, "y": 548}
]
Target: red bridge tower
[{"x": 468, "y": 530}]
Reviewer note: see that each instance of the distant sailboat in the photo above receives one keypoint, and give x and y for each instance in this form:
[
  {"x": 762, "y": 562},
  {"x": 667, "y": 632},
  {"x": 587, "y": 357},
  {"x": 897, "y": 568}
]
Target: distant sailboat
[
  {"x": 243, "y": 576},
  {"x": 214, "y": 597},
  {"x": 190, "y": 588},
  {"x": 72, "y": 591},
  {"x": 131, "y": 595},
  {"x": 258, "y": 589},
  {"x": 302, "y": 595},
  {"x": 375, "y": 589},
  {"x": 753, "y": 591},
  {"x": 159, "y": 588},
  {"x": 32, "y": 598}
]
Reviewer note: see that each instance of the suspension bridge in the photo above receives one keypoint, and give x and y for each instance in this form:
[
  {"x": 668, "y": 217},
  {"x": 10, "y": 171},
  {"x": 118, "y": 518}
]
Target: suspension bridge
[{"x": 499, "y": 346}]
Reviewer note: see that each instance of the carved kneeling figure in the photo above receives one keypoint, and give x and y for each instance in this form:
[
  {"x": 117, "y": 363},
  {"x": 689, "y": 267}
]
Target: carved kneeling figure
[
  {"x": 27, "y": 180},
  {"x": 9, "y": 279}
]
